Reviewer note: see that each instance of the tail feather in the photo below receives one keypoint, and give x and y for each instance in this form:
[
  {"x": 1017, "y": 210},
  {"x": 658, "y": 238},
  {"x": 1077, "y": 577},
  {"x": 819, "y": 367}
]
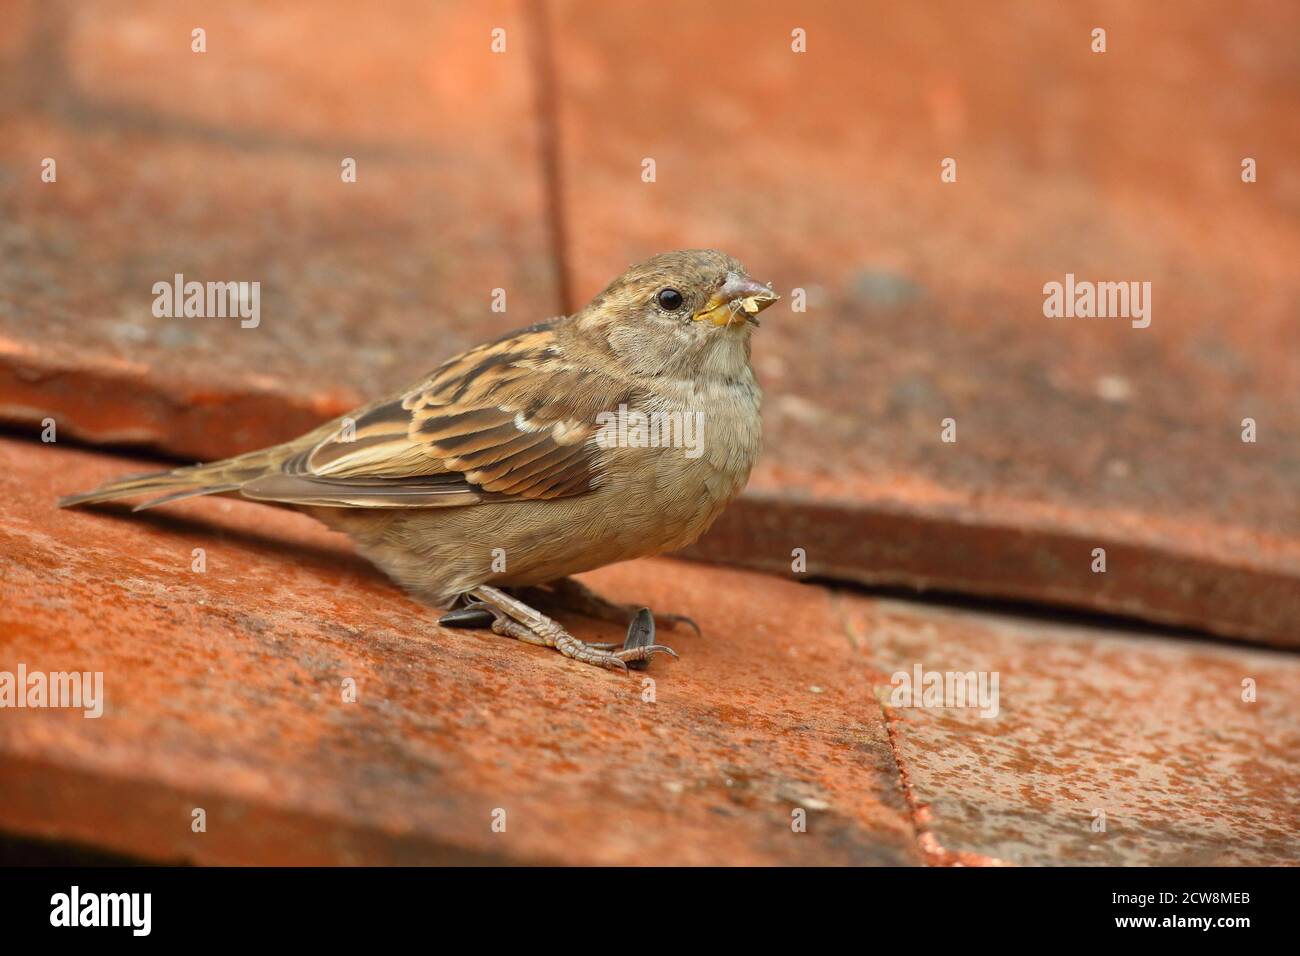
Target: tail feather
[
  {"x": 182, "y": 481},
  {"x": 188, "y": 493},
  {"x": 218, "y": 477}
]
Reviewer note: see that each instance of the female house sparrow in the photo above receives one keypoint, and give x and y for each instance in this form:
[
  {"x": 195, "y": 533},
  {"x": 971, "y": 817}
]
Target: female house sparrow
[{"x": 500, "y": 469}]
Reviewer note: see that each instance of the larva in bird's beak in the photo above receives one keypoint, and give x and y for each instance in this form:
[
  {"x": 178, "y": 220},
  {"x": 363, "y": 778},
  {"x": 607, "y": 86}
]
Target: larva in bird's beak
[{"x": 738, "y": 295}]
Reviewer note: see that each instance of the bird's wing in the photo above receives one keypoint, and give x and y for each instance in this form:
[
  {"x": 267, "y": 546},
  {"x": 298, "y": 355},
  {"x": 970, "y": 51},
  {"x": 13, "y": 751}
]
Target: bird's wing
[{"x": 514, "y": 419}]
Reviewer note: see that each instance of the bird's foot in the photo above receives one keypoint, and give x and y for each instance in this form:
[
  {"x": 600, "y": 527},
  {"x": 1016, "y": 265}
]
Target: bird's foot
[
  {"x": 573, "y": 595},
  {"x": 510, "y": 617}
]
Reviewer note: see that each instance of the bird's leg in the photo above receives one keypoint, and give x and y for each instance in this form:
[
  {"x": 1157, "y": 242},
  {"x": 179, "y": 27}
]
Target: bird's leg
[
  {"x": 573, "y": 594},
  {"x": 513, "y": 618}
]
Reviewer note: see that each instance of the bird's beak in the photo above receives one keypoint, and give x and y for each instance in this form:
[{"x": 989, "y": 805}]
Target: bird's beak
[{"x": 738, "y": 300}]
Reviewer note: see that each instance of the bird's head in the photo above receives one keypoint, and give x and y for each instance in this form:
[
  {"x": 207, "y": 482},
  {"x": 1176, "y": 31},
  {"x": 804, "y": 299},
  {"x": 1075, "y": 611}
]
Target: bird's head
[{"x": 688, "y": 310}]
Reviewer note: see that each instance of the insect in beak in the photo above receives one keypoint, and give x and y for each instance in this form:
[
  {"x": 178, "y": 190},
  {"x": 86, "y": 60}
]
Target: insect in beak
[{"x": 738, "y": 300}]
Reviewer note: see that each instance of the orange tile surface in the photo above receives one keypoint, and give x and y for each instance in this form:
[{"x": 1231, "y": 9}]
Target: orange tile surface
[
  {"x": 224, "y": 690},
  {"x": 821, "y": 171},
  {"x": 227, "y": 166}
]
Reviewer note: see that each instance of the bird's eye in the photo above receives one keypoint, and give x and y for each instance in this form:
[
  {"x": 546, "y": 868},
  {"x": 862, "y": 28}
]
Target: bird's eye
[{"x": 670, "y": 300}]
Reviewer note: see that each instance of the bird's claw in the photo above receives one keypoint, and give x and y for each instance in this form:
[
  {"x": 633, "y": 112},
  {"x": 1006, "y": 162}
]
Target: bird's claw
[
  {"x": 673, "y": 620},
  {"x": 573, "y": 594},
  {"x": 489, "y": 607},
  {"x": 640, "y": 645},
  {"x": 474, "y": 614}
]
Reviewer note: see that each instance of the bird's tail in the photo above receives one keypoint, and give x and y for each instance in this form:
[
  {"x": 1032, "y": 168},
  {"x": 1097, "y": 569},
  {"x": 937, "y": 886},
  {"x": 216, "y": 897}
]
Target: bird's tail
[{"x": 215, "y": 478}]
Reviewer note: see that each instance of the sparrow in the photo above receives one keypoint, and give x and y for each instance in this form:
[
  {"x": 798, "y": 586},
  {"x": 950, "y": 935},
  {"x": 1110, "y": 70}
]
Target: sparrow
[{"x": 534, "y": 457}]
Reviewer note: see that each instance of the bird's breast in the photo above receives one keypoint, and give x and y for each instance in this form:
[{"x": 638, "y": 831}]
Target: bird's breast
[{"x": 679, "y": 455}]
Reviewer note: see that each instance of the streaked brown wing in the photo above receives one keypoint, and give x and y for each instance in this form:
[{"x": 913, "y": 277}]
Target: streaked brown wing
[{"x": 505, "y": 421}]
